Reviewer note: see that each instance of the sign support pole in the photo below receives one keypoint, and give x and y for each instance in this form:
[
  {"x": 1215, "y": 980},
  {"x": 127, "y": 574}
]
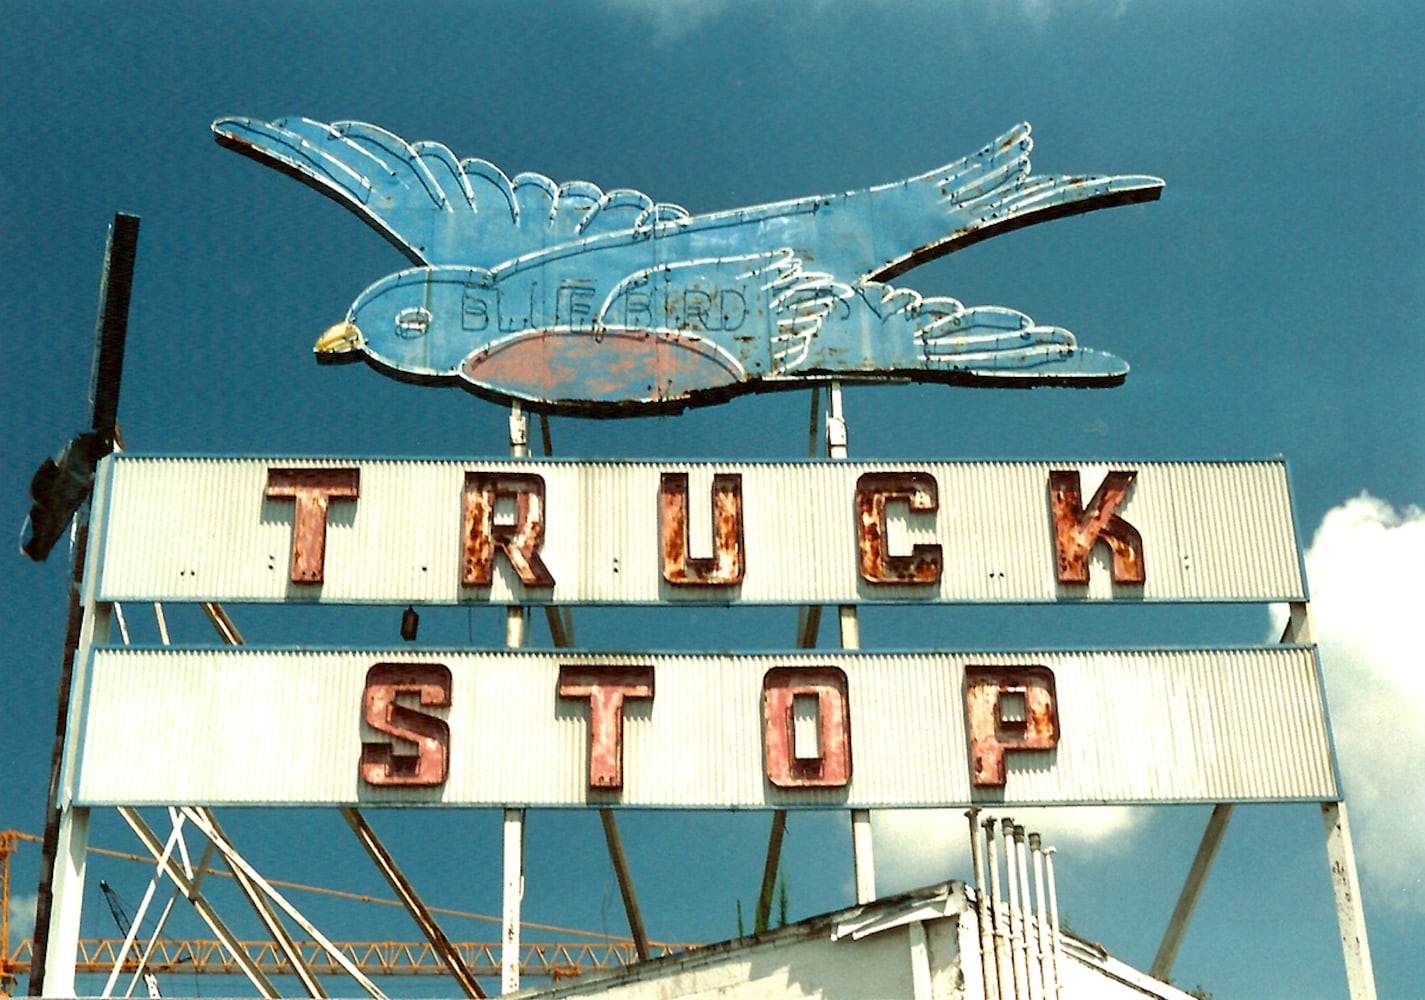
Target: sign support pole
[
  {"x": 61, "y": 886},
  {"x": 513, "y": 818},
  {"x": 861, "y": 846},
  {"x": 1340, "y": 855}
]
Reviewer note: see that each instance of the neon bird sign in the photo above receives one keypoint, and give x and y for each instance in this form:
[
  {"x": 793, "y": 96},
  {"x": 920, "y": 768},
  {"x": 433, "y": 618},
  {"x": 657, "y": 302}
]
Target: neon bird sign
[{"x": 571, "y": 299}]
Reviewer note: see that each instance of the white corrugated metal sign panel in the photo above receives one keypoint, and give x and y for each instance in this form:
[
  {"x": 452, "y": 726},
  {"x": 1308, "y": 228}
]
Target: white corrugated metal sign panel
[
  {"x": 190, "y": 529},
  {"x": 252, "y": 726}
]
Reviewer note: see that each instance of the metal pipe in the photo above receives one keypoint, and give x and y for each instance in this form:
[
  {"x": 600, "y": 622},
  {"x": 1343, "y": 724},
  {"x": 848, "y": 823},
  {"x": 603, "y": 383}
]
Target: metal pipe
[
  {"x": 1057, "y": 945},
  {"x": 1016, "y": 919},
  {"x": 988, "y": 973},
  {"x": 1003, "y": 972},
  {"x": 1031, "y": 978},
  {"x": 1046, "y": 971}
]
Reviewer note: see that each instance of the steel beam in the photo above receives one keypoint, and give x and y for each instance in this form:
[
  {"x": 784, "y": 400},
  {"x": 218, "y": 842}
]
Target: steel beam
[
  {"x": 1350, "y": 916},
  {"x": 419, "y": 912},
  {"x": 281, "y": 937},
  {"x": 769, "y": 871},
  {"x": 1162, "y": 965},
  {"x": 200, "y": 903},
  {"x": 625, "y": 883},
  {"x": 236, "y": 861}
]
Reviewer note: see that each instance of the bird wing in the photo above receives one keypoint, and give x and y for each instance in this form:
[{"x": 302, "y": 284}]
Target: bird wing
[
  {"x": 979, "y": 196},
  {"x": 987, "y": 344},
  {"x": 434, "y": 207}
]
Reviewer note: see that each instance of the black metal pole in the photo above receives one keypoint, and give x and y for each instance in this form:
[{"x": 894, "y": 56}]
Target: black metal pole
[{"x": 110, "y": 334}]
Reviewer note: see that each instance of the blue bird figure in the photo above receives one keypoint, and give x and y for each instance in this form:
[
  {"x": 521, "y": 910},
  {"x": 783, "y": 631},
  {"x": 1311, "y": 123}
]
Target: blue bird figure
[{"x": 571, "y": 299}]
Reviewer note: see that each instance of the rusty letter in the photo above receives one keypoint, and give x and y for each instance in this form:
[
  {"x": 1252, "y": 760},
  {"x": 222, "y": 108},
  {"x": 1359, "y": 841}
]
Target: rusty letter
[
  {"x": 874, "y": 490},
  {"x": 820, "y": 755},
  {"x": 313, "y": 490},
  {"x": 1076, "y": 530},
  {"x": 725, "y": 567},
  {"x": 606, "y": 689},
  {"x": 1008, "y": 709},
  {"x": 380, "y": 764},
  {"x": 519, "y": 541}
]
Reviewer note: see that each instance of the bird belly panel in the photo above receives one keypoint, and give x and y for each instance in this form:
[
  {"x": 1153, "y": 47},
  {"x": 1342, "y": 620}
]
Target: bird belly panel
[{"x": 609, "y": 367}]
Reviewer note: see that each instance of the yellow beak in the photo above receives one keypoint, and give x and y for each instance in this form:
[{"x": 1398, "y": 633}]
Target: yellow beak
[{"x": 339, "y": 339}]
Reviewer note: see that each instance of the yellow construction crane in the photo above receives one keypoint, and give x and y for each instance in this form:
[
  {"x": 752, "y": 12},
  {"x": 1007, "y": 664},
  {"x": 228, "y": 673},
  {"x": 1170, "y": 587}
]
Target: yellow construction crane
[{"x": 373, "y": 958}]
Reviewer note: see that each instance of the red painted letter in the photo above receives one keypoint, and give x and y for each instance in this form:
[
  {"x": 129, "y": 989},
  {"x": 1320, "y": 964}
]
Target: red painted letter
[
  {"x": 1008, "y": 709},
  {"x": 380, "y": 764},
  {"x": 1076, "y": 530},
  {"x": 725, "y": 567},
  {"x": 874, "y": 490},
  {"x": 312, "y": 489},
  {"x": 606, "y": 688},
  {"x": 519, "y": 541},
  {"x": 807, "y": 730}
]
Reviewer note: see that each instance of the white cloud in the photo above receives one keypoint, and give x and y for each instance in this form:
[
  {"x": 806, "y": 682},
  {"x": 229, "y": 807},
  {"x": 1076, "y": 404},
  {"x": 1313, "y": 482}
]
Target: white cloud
[
  {"x": 22, "y": 916},
  {"x": 917, "y": 847},
  {"x": 1366, "y": 567},
  {"x": 674, "y": 20}
]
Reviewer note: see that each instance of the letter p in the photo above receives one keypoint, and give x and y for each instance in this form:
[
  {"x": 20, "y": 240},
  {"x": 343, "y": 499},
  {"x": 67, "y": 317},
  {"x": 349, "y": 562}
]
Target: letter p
[{"x": 1008, "y": 709}]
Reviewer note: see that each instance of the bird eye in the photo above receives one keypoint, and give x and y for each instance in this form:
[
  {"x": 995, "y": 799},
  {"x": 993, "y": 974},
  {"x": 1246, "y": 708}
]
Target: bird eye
[{"x": 412, "y": 323}]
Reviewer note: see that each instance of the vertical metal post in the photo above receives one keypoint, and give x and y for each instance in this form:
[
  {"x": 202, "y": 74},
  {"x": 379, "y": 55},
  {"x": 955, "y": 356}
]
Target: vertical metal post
[
  {"x": 861, "y": 843},
  {"x": 514, "y": 818},
  {"x": 513, "y": 892},
  {"x": 1350, "y": 916}
]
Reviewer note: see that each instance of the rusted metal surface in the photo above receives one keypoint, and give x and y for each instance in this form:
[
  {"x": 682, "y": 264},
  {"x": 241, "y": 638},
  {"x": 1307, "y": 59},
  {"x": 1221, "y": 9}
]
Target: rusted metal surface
[
  {"x": 1008, "y": 710},
  {"x": 1077, "y": 530},
  {"x": 572, "y": 299},
  {"x": 196, "y": 530},
  {"x": 518, "y": 540},
  {"x": 827, "y": 764},
  {"x": 606, "y": 690},
  {"x": 313, "y": 490},
  {"x": 285, "y": 727},
  {"x": 874, "y": 490},
  {"x": 381, "y": 765},
  {"x": 725, "y": 566}
]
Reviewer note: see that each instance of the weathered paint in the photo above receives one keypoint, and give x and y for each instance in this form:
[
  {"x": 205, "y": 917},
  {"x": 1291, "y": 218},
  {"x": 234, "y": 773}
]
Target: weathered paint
[
  {"x": 381, "y": 765},
  {"x": 313, "y": 490},
  {"x": 919, "y": 492},
  {"x": 826, "y": 763},
  {"x": 518, "y": 541},
  {"x": 572, "y": 299},
  {"x": 606, "y": 690},
  {"x": 204, "y": 530},
  {"x": 285, "y": 727},
  {"x": 726, "y": 565},
  {"x": 1077, "y": 530},
  {"x": 1009, "y": 710}
]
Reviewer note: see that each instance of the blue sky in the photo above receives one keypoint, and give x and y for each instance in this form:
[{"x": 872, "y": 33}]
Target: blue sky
[{"x": 1269, "y": 304}]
